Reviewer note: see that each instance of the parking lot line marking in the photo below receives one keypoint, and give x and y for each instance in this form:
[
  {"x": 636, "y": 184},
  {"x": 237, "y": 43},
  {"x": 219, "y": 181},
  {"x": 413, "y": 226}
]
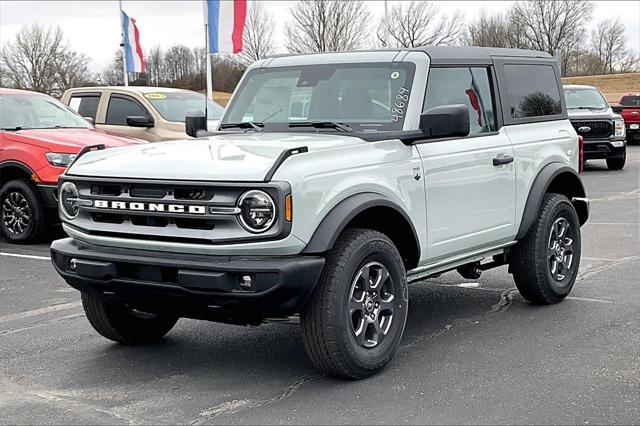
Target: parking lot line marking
[
  {"x": 39, "y": 311},
  {"x": 588, "y": 299},
  {"x": 26, "y": 256}
]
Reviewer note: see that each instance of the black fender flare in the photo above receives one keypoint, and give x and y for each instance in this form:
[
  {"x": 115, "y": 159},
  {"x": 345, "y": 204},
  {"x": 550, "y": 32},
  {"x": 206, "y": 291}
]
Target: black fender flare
[
  {"x": 16, "y": 164},
  {"x": 540, "y": 186},
  {"x": 340, "y": 215}
]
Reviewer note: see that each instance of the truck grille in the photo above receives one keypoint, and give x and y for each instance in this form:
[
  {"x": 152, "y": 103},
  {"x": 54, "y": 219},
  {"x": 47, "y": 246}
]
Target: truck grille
[
  {"x": 597, "y": 129},
  {"x": 190, "y": 212}
]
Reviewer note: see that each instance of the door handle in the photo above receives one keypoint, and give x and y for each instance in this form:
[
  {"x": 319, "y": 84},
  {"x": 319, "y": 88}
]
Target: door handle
[{"x": 501, "y": 159}]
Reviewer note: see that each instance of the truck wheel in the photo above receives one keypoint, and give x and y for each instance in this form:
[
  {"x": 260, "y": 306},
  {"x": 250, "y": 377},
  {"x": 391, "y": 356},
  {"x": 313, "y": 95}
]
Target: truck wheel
[
  {"x": 23, "y": 214},
  {"x": 123, "y": 324},
  {"x": 545, "y": 263},
  {"x": 354, "y": 321},
  {"x": 617, "y": 163}
]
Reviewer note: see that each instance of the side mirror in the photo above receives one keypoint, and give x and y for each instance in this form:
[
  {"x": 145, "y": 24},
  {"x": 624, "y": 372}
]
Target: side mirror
[
  {"x": 139, "y": 121},
  {"x": 90, "y": 120},
  {"x": 194, "y": 122},
  {"x": 617, "y": 109},
  {"x": 445, "y": 121}
]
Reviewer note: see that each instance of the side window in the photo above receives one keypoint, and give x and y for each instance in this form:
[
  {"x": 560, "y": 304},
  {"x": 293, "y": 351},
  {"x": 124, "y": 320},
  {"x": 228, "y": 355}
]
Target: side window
[
  {"x": 120, "y": 107},
  {"x": 85, "y": 105},
  {"x": 466, "y": 86},
  {"x": 532, "y": 91}
]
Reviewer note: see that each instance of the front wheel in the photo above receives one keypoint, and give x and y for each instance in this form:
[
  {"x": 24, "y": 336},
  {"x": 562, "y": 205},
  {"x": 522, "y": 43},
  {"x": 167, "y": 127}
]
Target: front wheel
[
  {"x": 355, "y": 319},
  {"x": 124, "y": 324},
  {"x": 545, "y": 263},
  {"x": 617, "y": 163},
  {"x": 22, "y": 214}
]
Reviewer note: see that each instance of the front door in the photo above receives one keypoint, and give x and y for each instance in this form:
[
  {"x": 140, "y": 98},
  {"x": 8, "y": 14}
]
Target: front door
[{"x": 470, "y": 182}]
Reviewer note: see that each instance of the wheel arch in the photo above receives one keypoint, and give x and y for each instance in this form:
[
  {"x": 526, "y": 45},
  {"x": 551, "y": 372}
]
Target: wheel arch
[
  {"x": 10, "y": 170},
  {"x": 370, "y": 211},
  {"x": 557, "y": 178}
]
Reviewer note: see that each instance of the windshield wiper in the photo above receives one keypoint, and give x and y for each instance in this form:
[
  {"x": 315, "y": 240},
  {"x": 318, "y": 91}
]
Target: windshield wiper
[
  {"x": 588, "y": 107},
  {"x": 255, "y": 125},
  {"x": 12, "y": 129},
  {"x": 322, "y": 125}
]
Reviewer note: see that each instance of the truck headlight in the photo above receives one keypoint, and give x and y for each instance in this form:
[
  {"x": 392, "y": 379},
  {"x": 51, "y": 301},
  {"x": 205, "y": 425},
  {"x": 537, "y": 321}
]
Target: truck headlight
[
  {"x": 60, "y": 159},
  {"x": 619, "y": 126},
  {"x": 257, "y": 211},
  {"x": 68, "y": 196}
]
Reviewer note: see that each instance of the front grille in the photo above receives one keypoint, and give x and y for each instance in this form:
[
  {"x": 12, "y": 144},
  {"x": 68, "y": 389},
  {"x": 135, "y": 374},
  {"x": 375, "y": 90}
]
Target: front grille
[
  {"x": 593, "y": 129},
  {"x": 147, "y": 210}
]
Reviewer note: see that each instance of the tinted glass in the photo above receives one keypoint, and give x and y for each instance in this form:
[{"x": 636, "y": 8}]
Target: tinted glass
[
  {"x": 37, "y": 112},
  {"x": 367, "y": 97},
  {"x": 86, "y": 106},
  {"x": 585, "y": 99},
  {"x": 174, "y": 106},
  {"x": 630, "y": 101},
  {"x": 120, "y": 108},
  {"x": 466, "y": 86},
  {"x": 532, "y": 91}
]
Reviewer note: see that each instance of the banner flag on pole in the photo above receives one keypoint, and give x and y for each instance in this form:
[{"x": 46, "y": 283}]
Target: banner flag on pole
[
  {"x": 226, "y": 24},
  {"x": 132, "y": 48}
]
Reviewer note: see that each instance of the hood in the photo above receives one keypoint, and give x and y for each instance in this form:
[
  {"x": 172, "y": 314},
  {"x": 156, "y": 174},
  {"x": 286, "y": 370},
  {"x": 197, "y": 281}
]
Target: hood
[
  {"x": 591, "y": 114},
  {"x": 243, "y": 157},
  {"x": 69, "y": 140}
]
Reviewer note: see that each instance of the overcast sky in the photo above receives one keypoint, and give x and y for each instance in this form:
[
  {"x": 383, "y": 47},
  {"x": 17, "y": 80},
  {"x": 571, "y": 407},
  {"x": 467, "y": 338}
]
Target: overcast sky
[{"x": 92, "y": 27}]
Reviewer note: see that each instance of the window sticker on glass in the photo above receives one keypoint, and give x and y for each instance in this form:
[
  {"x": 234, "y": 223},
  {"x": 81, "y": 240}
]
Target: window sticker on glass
[
  {"x": 400, "y": 104},
  {"x": 395, "y": 75},
  {"x": 74, "y": 104},
  {"x": 155, "y": 95}
]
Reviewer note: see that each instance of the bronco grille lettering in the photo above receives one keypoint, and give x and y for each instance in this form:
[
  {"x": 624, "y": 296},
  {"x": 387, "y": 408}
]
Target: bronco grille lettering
[{"x": 150, "y": 207}]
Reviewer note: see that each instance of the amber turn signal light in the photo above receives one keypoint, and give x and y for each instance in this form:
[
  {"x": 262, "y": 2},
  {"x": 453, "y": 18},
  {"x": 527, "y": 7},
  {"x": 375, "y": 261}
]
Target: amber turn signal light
[{"x": 287, "y": 208}]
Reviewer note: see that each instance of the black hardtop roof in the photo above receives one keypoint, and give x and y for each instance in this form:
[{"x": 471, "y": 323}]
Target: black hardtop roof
[{"x": 451, "y": 54}]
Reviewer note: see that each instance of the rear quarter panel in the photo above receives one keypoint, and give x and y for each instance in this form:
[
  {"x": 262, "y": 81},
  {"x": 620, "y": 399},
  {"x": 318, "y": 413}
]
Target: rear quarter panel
[{"x": 535, "y": 145}]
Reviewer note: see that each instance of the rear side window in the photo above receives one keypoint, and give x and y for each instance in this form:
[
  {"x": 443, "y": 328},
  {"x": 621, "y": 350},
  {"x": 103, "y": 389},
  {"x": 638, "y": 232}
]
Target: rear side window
[
  {"x": 630, "y": 101},
  {"x": 85, "y": 105},
  {"x": 467, "y": 86},
  {"x": 120, "y": 107},
  {"x": 532, "y": 90}
]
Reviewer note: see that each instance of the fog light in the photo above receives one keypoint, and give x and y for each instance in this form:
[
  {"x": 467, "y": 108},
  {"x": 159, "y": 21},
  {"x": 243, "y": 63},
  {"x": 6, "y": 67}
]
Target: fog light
[
  {"x": 245, "y": 282},
  {"x": 73, "y": 264},
  {"x": 617, "y": 144}
]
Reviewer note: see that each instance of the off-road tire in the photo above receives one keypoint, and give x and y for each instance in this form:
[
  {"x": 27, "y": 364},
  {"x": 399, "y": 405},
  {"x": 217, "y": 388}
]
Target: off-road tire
[
  {"x": 529, "y": 262},
  {"x": 120, "y": 323},
  {"x": 36, "y": 227},
  {"x": 326, "y": 320},
  {"x": 617, "y": 163}
]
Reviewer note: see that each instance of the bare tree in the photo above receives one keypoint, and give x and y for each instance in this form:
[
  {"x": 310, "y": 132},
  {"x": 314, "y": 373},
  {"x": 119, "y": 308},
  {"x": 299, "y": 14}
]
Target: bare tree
[
  {"x": 327, "y": 26},
  {"x": 556, "y": 27},
  {"x": 609, "y": 44},
  {"x": 154, "y": 66},
  {"x": 179, "y": 62},
  {"x": 40, "y": 59},
  {"x": 420, "y": 24},
  {"x": 257, "y": 39},
  {"x": 496, "y": 30},
  {"x": 112, "y": 75}
]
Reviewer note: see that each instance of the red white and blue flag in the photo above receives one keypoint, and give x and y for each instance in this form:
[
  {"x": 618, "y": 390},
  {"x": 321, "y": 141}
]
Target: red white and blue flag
[
  {"x": 226, "y": 23},
  {"x": 132, "y": 48}
]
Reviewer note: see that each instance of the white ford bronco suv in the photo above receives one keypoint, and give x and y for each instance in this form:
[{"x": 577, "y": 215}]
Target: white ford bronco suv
[{"x": 332, "y": 181}]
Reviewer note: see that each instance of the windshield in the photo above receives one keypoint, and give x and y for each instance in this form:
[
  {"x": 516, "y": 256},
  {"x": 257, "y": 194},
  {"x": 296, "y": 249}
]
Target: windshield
[
  {"x": 630, "y": 101},
  {"x": 37, "y": 112},
  {"x": 584, "y": 98},
  {"x": 365, "y": 97},
  {"x": 174, "y": 106}
]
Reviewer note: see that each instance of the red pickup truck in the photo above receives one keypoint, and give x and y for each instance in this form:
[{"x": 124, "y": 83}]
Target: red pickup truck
[
  {"x": 630, "y": 111},
  {"x": 39, "y": 137}
]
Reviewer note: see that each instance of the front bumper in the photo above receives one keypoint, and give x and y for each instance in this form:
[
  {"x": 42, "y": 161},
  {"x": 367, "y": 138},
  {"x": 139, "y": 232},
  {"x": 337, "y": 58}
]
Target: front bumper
[
  {"x": 603, "y": 148},
  {"x": 633, "y": 132},
  {"x": 193, "y": 285}
]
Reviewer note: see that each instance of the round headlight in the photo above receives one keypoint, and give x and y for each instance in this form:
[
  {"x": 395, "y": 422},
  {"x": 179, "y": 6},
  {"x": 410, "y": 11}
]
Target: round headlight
[
  {"x": 68, "y": 196},
  {"x": 257, "y": 211}
]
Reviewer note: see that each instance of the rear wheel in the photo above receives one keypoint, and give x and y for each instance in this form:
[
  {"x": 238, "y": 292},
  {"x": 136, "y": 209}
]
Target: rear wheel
[
  {"x": 355, "y": 319},
  {"x": 545, "y": 263},
  {"x": 124, "y": 324},
  {"x": 617, "y": 163},
  {"x": 22, "y": 212}
]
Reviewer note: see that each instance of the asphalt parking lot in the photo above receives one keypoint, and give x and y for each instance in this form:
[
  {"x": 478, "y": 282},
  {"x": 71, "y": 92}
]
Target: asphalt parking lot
[{"x": 473, "y": 352}]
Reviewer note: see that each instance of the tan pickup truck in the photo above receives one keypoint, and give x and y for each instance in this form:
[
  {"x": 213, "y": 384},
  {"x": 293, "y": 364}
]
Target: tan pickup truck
[{"x": 149, "y": 113}]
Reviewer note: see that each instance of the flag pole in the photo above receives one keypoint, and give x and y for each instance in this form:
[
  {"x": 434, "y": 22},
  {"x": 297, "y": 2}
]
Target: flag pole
[
  {"x": 208, "y": 60},
  {"x": 124, "y": 55}
]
